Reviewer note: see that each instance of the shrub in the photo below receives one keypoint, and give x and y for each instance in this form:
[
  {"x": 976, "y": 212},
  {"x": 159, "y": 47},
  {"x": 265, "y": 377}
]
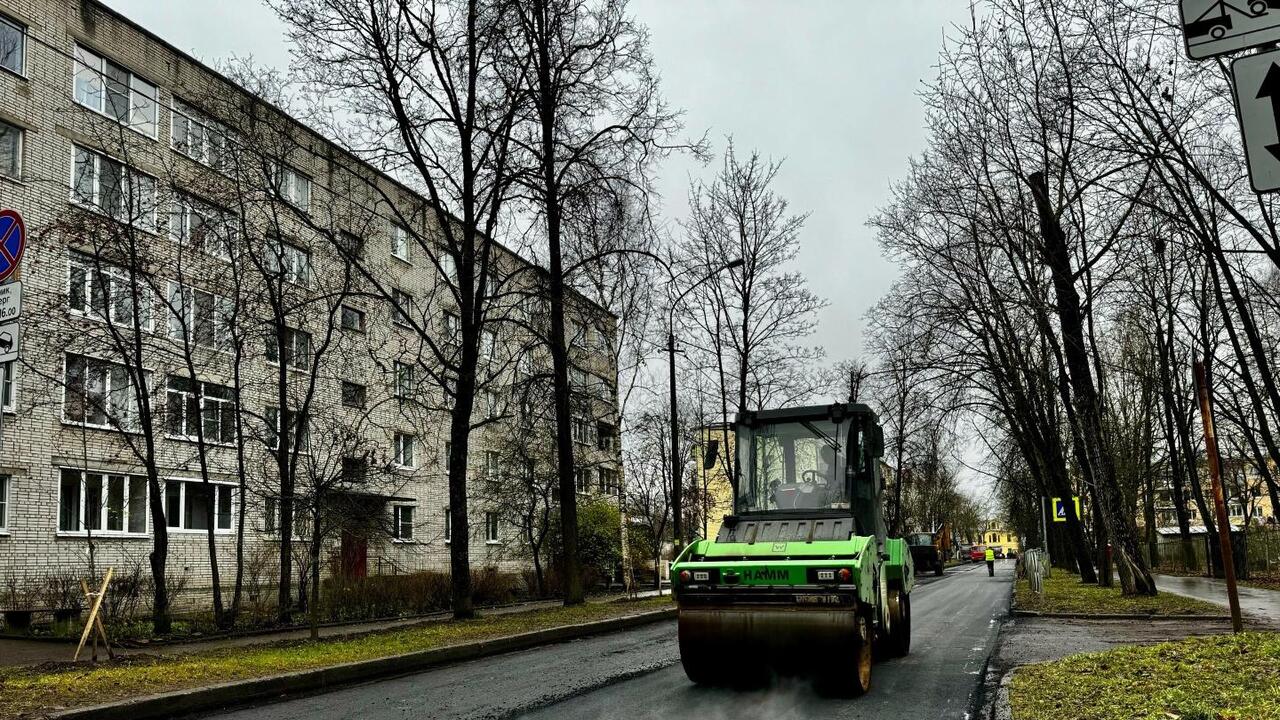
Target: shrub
[{"x": 413, "y": 594}]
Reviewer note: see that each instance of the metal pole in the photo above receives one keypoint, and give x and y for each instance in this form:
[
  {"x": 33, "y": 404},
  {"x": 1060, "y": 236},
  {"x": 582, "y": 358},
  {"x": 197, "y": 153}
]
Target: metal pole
[
  {"x": 2, "y": 381},
  {"x": 1219, "y": 505},
  {"x": 677, "y": 525},
  {"x": 1044, "y": 525}
]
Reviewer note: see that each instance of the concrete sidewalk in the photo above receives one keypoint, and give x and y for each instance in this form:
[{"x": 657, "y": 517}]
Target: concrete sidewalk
[
  {"x": 1260, "y": 604},
  {"x": 17, "y": 651}
]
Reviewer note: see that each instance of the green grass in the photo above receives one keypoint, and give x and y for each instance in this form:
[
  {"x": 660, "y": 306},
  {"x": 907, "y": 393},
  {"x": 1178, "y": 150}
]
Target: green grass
[
  {"x": 1219, "y": 677},
  {"x": 1064, "y": 593},
  {"x": 28, "y": 692}
]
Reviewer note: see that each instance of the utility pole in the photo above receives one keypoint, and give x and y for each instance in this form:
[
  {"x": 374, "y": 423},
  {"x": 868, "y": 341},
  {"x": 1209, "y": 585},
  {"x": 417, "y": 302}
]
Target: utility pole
[{"x": 1219, "y": 505}]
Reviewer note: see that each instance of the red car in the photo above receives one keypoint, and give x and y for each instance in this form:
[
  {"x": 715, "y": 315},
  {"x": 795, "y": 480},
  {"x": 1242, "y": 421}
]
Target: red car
[{"x": 977, "y": 553}]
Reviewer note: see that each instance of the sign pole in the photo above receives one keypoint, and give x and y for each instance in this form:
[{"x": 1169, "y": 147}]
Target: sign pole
[
  {"x": 1044, "y": 524},
  {"x": 1219, "y": 505}
]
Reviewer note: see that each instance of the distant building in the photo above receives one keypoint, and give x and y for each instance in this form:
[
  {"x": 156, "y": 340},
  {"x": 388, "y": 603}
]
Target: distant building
[{"x": 996, "y": 534}]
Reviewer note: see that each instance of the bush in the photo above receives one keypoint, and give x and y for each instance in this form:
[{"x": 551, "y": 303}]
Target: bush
[
  {"x": 413, "y": 594},
  {"x": 599, "y": 544}
]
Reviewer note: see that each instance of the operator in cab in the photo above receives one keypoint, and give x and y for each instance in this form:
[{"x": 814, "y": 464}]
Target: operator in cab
[{"x": 991, "y": 562}]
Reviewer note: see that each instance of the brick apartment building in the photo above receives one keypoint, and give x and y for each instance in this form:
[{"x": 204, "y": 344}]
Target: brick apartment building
[{"x": 178, "y": 222}]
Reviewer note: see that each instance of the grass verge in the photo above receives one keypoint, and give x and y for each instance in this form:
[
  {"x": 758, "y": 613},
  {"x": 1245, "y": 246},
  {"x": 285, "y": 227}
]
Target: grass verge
[
  {"x": 1064, "y": 593},
  {"x": 1217, "y": 677},
  {"x": 26, "y": 692}
]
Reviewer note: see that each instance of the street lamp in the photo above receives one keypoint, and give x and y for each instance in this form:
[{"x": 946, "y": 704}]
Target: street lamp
[{"x": 677, "y": 523}]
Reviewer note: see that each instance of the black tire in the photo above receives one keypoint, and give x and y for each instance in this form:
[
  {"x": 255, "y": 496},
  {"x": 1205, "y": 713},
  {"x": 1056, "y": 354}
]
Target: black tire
[
  {"x": 898, "y": 642},
  {"x": 855, "y": 679}
]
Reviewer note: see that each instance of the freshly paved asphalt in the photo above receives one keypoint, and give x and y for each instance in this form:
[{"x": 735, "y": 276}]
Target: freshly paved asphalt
[{"x": 636, "y": 674}]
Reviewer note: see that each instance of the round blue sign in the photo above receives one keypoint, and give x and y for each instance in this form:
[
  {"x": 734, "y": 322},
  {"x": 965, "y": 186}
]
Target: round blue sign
[{"x": 13, "y": 240}]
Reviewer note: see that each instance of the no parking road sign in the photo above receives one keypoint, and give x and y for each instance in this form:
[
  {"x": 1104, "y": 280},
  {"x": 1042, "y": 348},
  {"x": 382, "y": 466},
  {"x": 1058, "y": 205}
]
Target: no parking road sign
[{"x": 13, "y": 240}]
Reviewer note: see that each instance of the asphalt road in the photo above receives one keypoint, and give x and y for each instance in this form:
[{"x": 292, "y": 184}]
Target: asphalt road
[{"x": 637, "y": 674}]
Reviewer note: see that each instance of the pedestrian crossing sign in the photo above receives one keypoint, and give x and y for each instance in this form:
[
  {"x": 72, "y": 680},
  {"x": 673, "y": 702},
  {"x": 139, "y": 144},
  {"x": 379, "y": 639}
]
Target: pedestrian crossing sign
[{"x": 1060, "y": 508}]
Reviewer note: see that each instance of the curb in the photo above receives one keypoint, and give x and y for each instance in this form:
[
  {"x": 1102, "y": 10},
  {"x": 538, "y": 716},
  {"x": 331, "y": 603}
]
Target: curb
[
  {"x": 1113, "y": 616},
  {"x": 245, "y": 692}
]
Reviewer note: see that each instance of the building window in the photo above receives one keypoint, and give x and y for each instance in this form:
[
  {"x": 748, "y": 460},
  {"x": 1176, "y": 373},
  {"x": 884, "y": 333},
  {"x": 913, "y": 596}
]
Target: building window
[
  {"x": 352, "y": 319},
  {"x": 4, "y": 502},
  {"x": 578, "y": 379},
  {"x": 448, "y": 267},
  {"x": 350, "y": 244},
  {"x": 289, "y": 261},
  {"x": 492, "y": 466},
  {"x": 297, "y": 349},
  {"x": 452, "y": 328},
  {"x": 581, "y": 430},
  {"x": 403, "y": 380},
  {"x": 292, "y": 185},
  {"x": 400, "y": 243},
  {"x": 610, "y": 484},
  {"x": 492, "y": 406},
  {"x": 102, "y": 503},
  {"x": 113, "y": 188},
  {"x": 8, "y": 398},
  {"x": 200, "y": 225},
  {"x": 272, "y": 416},
  {"x": 10, "y": 143},
  {"x": 488, "y": 343},
  {"x": 404, "y": 450},
  {"x": 13, "y": 46},
  {"x": 603, "y": 389},
  {"x": 448, "y": 452},
  {"x": 577, "y": 333},
  {"x": 103, "y": 292},
  {"x": 213, "y": 413},
  {"x": 353, "y": 394},
  {"x": 402, "y": 521},
  {"x": 448, "y": 525},
  {"x": 491, "y": 527},
  {"x": 187, "y": 504},
  {"x": 582, "y": 477},
  {"x": 401, "y": 304},
  {"x": 98, "y": 393},
  {"x": 107, "y": 88},
  {"x": 200, "y": 318},
  {"x": 355, "y": 470},
  {"x": 606, "y": 437},
  {"x": 193, "y": 134}
]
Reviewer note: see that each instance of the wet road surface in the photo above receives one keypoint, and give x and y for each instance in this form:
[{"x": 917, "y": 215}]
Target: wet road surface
[{"x": 636, "y": 674}]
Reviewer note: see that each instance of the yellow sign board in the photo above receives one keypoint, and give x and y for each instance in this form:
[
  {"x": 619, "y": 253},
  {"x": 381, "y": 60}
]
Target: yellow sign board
[{"x": 1060, "y": 508}]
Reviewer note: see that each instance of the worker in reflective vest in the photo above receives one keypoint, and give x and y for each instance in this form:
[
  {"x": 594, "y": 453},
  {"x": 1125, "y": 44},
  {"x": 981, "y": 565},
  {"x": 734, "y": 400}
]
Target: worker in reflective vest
[{"x": 991, "y": 562}]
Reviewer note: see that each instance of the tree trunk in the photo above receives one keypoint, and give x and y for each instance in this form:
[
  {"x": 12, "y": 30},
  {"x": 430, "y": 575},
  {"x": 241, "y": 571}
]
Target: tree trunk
[{"x": 1057, "y": 256}]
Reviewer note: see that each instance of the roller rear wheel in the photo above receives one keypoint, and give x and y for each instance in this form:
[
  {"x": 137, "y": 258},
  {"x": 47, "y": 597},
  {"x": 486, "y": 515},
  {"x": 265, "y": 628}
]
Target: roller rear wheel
[
  {"x": 898, "y": 642},
  {"x": 853, "y": 679}
]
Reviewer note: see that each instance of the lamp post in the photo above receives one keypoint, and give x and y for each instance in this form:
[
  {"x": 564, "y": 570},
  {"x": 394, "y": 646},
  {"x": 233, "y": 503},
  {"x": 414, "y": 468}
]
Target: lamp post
[{"x": 677, "y": 522}]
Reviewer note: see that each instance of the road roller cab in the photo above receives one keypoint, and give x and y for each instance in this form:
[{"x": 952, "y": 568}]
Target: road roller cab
[{"x": 802, "y": 577}]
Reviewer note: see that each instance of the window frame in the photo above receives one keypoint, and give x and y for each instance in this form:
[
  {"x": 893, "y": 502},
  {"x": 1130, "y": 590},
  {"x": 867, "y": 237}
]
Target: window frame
[
  {"x": 217, "y": 486},
  {"x": 128, "y": 175},
  {"x": 398, "y": 523},
  {"x": 292, "y": 334},
  {"x": 113, "y": 274},
  {"x": 284, "y": 180},
  {"x": 183, "y": 205},
  {"x": 356, "y": 312},
  {"x": 363, "y": 394},
  {"x": 6, "y": 485},
  {"x": 82, "y": 501},
  {"x": 222, "y": 309},
  {"x": 209, "y": 129},
  {"x": 19, "y": 151},
  {"x": 401, "y": 237},
  {"x": 400, "y": 441},
  {"x": 290, "y": 261},
  {"x": 187, "y": 397},
  {"x": 401, "y": 304},
  {"x": 10, "y": 385},
  {"x": 22, "y": 29},
  {"x": 101, "y": 72},
  {"x": 492, "y": 534},
  {"x": 274, "y": 429},
  {"x": 129, "y": 423},
  {"x": 402, "y": 382}
]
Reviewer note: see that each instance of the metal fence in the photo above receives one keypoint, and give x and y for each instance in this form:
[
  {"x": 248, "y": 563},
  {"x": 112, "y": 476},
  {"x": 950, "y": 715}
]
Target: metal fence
[{"x": 1257, "y": 551}]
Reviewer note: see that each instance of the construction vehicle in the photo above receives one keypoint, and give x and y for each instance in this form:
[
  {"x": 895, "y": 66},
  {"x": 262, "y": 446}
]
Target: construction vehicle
[
  {"x": 802, "y": 577},
  {"x": 925, "y": 553}
]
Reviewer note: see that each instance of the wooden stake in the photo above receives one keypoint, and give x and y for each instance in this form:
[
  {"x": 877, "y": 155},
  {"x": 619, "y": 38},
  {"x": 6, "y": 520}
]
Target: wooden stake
[
  {"x": 94, "y": 622},
  {"x": 1219, "y": 504}
]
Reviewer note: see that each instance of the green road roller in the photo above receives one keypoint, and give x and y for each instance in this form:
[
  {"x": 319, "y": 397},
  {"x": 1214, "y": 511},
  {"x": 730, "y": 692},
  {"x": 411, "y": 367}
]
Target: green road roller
[{"x": 802, "y": 578}]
